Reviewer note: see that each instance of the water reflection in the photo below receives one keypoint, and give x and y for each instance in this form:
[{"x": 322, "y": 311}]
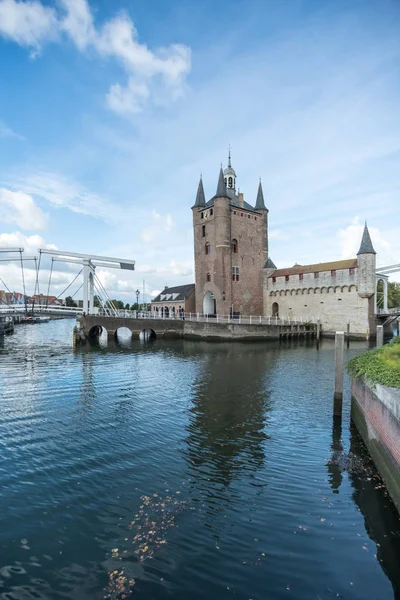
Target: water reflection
[
  {"x": 334, "y": 465},
  {"x": 228, "y": 419},
  {"x": 380, "y": 515}
]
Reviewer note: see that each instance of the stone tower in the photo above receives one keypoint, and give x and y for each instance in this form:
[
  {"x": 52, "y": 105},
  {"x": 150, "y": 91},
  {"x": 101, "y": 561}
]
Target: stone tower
[
  {"x": 230, "y": 249},
  {"x": 366, "y": 266}
]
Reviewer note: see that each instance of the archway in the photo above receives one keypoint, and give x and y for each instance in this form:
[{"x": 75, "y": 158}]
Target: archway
[
  {"x": 147, "y": 335},
  {"x": 275, "y": 309},
  {"x": 209, "y": 304},
  {"x": 98, "y": 335},
  {"x": 123, "y": 335}
]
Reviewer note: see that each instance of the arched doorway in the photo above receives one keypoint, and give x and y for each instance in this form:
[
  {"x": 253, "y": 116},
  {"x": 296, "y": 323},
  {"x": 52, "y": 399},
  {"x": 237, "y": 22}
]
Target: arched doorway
[
  {"x": 209, "y": 304},
  {"x": 275, "y": 309}
]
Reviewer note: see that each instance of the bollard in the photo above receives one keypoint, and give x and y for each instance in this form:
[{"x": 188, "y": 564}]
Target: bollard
[
  {"x": 348, "y": 328},
  {"x": 318, "y": 329},
  {"x": 339, "y": 355},
  {"x": 379, "y": 335}
]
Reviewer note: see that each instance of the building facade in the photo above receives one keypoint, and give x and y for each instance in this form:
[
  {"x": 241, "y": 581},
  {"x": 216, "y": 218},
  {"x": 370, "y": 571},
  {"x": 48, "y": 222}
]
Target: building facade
[
  {"x": 175, "y": 301},
  {"x": 230, "y": 249},
  {"x": 234, "y": 274}
]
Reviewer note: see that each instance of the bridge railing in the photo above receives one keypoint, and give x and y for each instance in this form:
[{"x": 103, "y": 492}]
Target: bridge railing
[
  {"x": 20, "y": 309},
  {"x": 389, "y": 311},
  {"x": 241, "y": 319}
]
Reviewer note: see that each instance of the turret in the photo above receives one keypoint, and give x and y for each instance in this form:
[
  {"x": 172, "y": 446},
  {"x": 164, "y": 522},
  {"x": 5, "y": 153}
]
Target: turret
[
  {"x": 222, "y": 214},
  {"x": 366, "y": 266},
  {"x": 200, "y": 197},
  {"x": 260, "y": 206},
  {"x": 230, "y": 178}
]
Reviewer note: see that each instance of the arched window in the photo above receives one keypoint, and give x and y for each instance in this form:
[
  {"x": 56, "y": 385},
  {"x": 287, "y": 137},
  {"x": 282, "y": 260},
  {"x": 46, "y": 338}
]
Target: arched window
[
  {"x": 211, "y": 211},
  {"x": 226, "y": 182},
  {"x": 208, "y": 248},
  {"x": 208, "y": 277},
  {"x": 230, "y": 182},
  {"x": 203, "y": 231},
  {"x": 234, "y": 246}
]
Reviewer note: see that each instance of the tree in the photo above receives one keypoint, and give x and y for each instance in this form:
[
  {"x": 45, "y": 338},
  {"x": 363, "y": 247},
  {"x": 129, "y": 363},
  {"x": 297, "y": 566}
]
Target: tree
[
  {"x": 97, "y": 302},
  {"x": 127, "y": 307},
  {"x": 69, "y": 301},
  {"x": 115, "y": 304},
  {"x": 393, "y": 294}
]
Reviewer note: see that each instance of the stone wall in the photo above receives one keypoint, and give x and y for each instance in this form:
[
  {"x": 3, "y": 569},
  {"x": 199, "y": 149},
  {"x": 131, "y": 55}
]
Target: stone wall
[
  {"x": 376, "y": 414},
  {"x": 333, "y": 300},
  {"x": 222, "y": 224}
]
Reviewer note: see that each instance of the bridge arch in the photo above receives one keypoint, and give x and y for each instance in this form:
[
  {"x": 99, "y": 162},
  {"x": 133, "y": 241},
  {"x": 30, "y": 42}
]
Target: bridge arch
[
  {"x": 123, "y": 335},
  {"x": 147, "y": 335},
  {"x": 171, "y": 334},
  {"x": 209, "y": 304}
]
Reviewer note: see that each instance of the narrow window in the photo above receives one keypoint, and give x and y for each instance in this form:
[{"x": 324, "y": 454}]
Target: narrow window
[
  {"x": 211, "y": 211},
  {"x": 274, "y": 280},
  {"x": 208, "y": 248},
  {"x": 235, "y": 273},
  {"x": 234, "y": 212},
  {"x": 333, "y": 273},
  {"x": 234, "y": 246},
  {"x": 286, "y": 277},
  {"x": 352, "y": 271},
  {"x": 203, "y": 231},
  {"x": 230, "y": 182},
  {"x": 255, "y": 218},
  {"x": 241, "y": 214},
  {"x": 316, "y": 275},
  {"x": 208, "y": 277},
  {"x": 249, "y": 216},
  {"x": 301, "y": 276},
  {"x": 202, "y": 215}
]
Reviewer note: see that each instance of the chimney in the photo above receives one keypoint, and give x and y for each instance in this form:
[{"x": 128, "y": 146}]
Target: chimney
[{"x": 241, "y": 199}]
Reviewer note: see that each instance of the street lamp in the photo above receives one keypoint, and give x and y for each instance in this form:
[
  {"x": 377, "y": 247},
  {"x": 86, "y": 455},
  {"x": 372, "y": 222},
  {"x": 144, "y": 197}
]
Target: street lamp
[{"x": 137, "y": 299}]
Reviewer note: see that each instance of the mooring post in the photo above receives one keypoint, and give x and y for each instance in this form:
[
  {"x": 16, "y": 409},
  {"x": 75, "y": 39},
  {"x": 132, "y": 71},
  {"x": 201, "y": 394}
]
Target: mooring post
[
  {"x": 318, "y": 329},
  {"x": 379, "y": 335},
  {"x": 348, "y": 328},
  {"x": 339, "y": 356}
]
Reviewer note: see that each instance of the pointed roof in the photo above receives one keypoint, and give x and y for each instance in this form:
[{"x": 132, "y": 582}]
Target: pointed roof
[
  {"x": 366, "y": 244},
  {"x": 221, "y": 187},
  {"x": 200, "y": 197},
  {"x": 270, "y": 264},
  {"x": 260, "y": 199}
]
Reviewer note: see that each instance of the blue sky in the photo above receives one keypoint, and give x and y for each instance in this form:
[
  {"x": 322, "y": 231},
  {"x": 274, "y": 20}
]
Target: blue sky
[{"x": 109, "y": 112}]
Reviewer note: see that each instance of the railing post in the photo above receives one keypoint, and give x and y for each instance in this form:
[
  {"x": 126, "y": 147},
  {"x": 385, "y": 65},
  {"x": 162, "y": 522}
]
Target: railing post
[
  {"x": 240, "y": 318},
  {"x": 197, "y": 316},
  {"x": 379, "y": 335}
]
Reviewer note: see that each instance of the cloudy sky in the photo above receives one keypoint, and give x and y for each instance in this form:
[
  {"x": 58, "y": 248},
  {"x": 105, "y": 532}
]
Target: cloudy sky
[{"x": 109, "y": 112}]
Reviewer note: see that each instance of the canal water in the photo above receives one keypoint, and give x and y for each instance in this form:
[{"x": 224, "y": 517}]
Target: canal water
[{"x": 185, "y": 470}]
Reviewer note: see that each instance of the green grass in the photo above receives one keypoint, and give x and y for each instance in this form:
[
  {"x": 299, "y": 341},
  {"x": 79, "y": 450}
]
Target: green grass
[{"x": 379, "y": 366}]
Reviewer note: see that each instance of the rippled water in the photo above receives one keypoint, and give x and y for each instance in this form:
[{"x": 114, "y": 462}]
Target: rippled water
[{"x": 184, "y": 470}]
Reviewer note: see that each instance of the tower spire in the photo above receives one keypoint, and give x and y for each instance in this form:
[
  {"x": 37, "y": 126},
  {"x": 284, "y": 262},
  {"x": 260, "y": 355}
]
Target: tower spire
[
  {"x": 200, "y": 197},
  {"x": 221, "y": 187},
  {"x": 260, "y": 205},
  {"x": 229, "y": 156},
  {"x": 366, "y": 243}
]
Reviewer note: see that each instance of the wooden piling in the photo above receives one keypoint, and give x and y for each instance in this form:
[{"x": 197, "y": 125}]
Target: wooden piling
[
  {"x": 379, "y": 335},
  {"x": 318, "y": 329},
  {"x": 339, "y": 365}
]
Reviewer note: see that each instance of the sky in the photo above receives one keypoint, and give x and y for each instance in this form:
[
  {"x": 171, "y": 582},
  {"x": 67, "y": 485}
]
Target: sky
[{"x": 110, "y": 111}]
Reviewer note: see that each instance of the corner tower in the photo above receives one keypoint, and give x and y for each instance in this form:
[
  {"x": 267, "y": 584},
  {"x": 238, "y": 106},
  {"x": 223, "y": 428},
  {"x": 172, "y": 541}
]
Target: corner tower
[{"x": 366, "y": 266}]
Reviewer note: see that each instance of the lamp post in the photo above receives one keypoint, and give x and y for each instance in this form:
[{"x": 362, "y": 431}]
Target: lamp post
[{"x": 137, "y": 300}]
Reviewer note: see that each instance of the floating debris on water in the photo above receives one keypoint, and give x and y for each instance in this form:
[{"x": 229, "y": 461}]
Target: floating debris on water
[{"x": 155, "y": 517}]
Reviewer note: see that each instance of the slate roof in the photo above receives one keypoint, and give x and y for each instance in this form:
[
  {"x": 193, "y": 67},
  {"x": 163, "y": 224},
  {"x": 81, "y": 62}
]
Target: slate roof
[
  {"x": 200, "y": 197},
  {"x": 366, "y": 244},
  {"x": 234, "y": 202},
  {"x": 336, "y": 265},
  {"x": 270, "y": 264},
  {"x": 179, "y": 293},
  {"x": 260, "y": 205}
]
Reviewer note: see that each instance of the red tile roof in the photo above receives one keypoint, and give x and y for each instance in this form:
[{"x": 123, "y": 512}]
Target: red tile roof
[{"x": 336, "y": 265}]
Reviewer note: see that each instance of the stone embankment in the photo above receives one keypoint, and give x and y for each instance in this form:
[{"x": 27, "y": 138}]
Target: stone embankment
[{"x": 375, "y": 410}]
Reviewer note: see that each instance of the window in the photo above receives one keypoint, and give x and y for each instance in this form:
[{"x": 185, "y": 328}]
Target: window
[
  {"x": 316, "y": 275},
  {"x": 333, "y": 273},
  {"x": 203, "y": 231},
  {"x": 352, "y": 271},
  {"x": 274, "y": 280},
  {"x": 208, "y": 248},
  {"x": 202, "y": 215},
  {"x": 234, "y": 246},
  {"x": 255, "y": 218},
  {"x": 301, "y": 276},
  {"x": 208, "y": 277},
  {"x": 241, "y": 214},
  {"x": 226, "y": 181},
  {"x": 211, "y": 211},
  {"x": 230, "y": 182},
  {"x": 286, "y": 277},
  {"x": 249, "y": 216},
  {"x": 235, "y": 273},
  {"x": 234, "y": 212}
]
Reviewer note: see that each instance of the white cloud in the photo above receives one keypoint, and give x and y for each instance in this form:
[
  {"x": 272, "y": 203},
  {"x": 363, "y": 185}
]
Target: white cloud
[
  {"x": 17, "y": 239},
  {"x": 19, "y": 207},
  {"x": 59, "y": 191},
  {"x": 7, "y": 132},
  {"x": 350, "y": 240},
  {"x": 27, "y": 23},
  {"x": 162, "y": 224},
  {"x": 158, "y": 73}
]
